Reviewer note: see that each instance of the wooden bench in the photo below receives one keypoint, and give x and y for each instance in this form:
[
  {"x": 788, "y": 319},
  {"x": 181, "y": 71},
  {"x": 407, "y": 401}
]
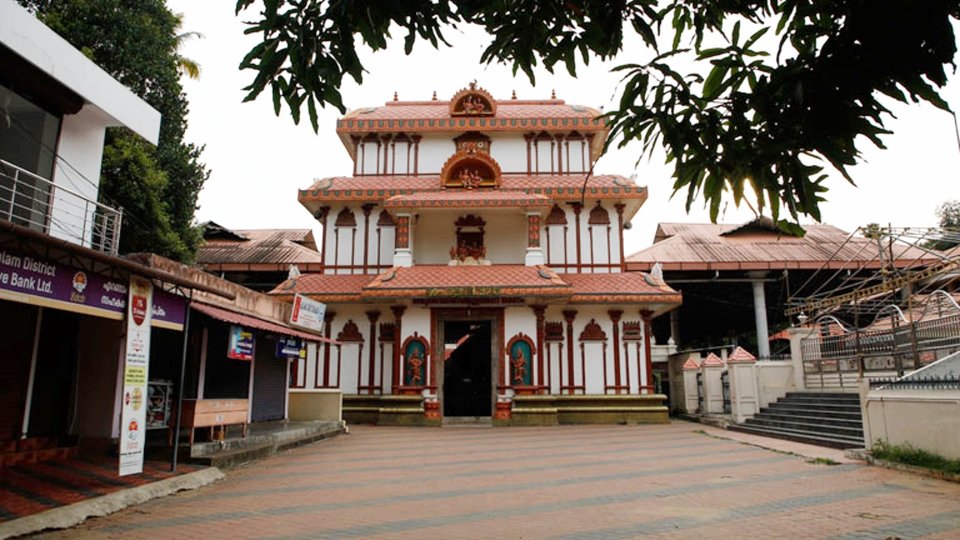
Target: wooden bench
[{"x": 212, "y": 413}]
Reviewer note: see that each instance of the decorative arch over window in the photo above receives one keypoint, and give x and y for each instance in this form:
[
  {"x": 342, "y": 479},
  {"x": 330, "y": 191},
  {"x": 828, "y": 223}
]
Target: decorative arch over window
[
  {"x": 593, "y": 332},
  {"x": 346, "y": 218},
  {"x": 473, "y": 101},
  {"x": 385, "y": 219},
  {"x": 557, "y": 216},
  {"x": 470, "y": 170},
  {"x": 416, "y": 353},
  {"x": 599, "y": 215},
  {"x": 350, "y": 332},
  {"x": 521, "y": 350}
]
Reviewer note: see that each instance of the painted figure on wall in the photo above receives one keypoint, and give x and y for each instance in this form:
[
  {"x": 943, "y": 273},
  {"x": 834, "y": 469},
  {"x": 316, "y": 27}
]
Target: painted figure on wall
[
  {"x": 415, "y": 355},
  {"x": 521, "y": 352}
]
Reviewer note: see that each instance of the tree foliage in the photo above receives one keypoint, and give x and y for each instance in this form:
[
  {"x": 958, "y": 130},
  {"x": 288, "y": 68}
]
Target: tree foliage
[
  {"x": 751, "y": 121},
  {"x": 136, "y": 42},
  {"x": 948, "y": 214}
]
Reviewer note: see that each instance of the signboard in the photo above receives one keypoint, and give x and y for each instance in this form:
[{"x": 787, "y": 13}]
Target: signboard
[
  {"x": 133, "y": 416},
  {"x": 31, "y": 280},
  {"x": 289, "y": 347},
  {"x": 241, "y": 345},
  {"x": 308, "y": 313}
]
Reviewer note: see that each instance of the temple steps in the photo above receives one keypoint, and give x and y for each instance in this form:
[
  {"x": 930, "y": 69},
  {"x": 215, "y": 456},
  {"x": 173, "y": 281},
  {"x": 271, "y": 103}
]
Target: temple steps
[{"x": 821, "y": 418}]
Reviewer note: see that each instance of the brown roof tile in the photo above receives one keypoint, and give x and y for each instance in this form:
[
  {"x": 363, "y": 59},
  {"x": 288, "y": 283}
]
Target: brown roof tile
[{"x": 706, "y": 246}]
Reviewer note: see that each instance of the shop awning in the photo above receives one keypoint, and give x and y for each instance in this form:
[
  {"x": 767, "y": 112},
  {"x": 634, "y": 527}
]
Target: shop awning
[{"x": 232, "y": 317}]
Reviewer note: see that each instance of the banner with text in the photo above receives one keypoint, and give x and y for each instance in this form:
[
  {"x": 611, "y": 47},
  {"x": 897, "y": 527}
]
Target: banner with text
[
  {"x": 133, "y": 417},
  {"x": 307, "y": 313},
  {"x": 32, "y": 280}
]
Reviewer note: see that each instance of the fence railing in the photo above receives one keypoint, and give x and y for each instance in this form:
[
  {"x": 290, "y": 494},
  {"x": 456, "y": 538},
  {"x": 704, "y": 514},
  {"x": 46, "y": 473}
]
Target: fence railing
[
  {"x": 917, "y": 383},
  {"x": 907, "y": 346},
  {"x": 35, "y": 202}
]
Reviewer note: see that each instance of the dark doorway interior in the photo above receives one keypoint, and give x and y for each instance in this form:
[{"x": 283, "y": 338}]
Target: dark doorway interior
[{"x": 467, "y": 389}]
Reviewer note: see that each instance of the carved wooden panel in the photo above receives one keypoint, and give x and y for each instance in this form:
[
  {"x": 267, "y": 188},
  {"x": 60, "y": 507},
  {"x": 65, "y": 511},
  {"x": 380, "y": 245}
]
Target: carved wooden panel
[{"x": 593, "y": 332}]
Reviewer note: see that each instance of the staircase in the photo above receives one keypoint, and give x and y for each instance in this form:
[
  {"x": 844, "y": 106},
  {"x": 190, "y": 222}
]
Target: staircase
[{"x": 824, "y": 419}]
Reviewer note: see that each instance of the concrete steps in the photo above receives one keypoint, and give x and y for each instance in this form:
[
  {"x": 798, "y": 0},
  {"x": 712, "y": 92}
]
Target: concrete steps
[{"x": 821, "y": 418}]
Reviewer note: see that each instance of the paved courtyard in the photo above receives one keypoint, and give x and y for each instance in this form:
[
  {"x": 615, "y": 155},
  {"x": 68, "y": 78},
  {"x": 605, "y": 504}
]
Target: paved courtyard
[{"x": 666, "y": 481}]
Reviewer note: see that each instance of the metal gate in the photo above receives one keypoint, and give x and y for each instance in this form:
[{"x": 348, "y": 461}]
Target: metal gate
[
  {"x": 700, "y": 392},
  {"x": 725, "y": 386}
]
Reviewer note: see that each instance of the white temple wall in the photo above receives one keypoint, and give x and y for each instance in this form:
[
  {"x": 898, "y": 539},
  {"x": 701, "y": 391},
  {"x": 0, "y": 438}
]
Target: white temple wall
[
  {"x": 345, "y": 245},
  {"x": 504, "y": 236},
  {"x": 381, "y": 245},
  {"x": 510, "y": 151},
  {"x": 562, "y": 252},
  {"x": 367, "y": 154},
  {"x": 435, "y": 149}
]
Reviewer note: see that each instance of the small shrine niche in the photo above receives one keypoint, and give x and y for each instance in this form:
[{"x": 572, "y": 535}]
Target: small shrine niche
[
  {"x": 470, "y": 169},
  {"x": 473, "y": 142},
  {"x": 470, "y": 249},
  {"x": 473, "y": 101}
]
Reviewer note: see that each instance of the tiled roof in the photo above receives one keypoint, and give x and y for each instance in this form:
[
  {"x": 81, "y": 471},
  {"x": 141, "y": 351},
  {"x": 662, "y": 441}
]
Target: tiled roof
[
  {"x": 325, "y": 287},
  {"x": 511, "y": 115},
  {"x": 505, "y": 280},
  {"x": 556, "y": 187},
  {"x": 466, "y": 199},
  {"x": 498, "y": 280},
  {"x": 620, "y": 287},
  {"x": 262, "y": 246},
  {"x": 234, "y": 317},
  {"x": 706, "y": 246}
]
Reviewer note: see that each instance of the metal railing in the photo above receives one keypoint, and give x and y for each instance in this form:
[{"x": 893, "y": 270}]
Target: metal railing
[
  {"x": 35, "y": 202},
  {"x": 917, "y": 383},
  {"x": 904, "y": 347}
]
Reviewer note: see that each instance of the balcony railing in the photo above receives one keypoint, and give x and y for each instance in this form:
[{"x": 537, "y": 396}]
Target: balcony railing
[{"x": 33, "y": 201}]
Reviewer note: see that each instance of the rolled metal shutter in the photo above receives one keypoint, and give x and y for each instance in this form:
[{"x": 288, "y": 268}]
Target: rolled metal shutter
[{"x": 269, "y": 382}]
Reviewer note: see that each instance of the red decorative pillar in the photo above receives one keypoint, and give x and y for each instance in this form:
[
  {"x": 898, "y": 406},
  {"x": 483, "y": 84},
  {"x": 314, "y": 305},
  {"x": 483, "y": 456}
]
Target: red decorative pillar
[
  {"x": 533, "y": 231},
  {"x": 646, "y": 316},
  {"x": 372, "y": 316},
  {"x": 397, "y": 321},
  {"x": 615, "y": 315},
  {"x": 577, "y": 208},
  {"x": 366, "y": 235},
  {"x": 539, "y": 311},
  {"x": 328, "y": 333},
  {"x": 569, "y": 316}
]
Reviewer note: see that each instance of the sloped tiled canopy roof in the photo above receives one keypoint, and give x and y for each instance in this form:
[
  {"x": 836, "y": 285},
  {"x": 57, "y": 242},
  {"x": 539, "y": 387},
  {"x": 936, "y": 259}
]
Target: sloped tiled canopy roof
[
  {"x": 277, "y": 248},
  {"x": 425, "y": 281},
  {"x": 379, "y": 189},
  {"x": 758, "y": 246},
  {"x": 468, "y": 199}
]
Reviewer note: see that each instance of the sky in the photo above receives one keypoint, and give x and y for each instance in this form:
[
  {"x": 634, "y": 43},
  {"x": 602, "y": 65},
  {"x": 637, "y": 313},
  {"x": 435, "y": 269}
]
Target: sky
[{"x": 258, "y": 160}]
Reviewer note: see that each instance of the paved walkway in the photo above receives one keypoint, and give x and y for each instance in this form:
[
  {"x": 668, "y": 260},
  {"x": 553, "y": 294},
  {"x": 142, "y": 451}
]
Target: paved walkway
[{"x": 671, "y": 481}]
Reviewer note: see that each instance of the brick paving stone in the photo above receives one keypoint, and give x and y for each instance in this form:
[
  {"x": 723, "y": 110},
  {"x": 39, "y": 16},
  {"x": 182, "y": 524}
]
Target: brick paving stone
[{"x": 666, "y": 481}]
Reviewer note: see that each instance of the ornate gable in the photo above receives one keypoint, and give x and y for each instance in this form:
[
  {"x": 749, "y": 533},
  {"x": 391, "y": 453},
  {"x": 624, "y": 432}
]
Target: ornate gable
[
  {"x": 346, "y": 218},
  {"x": 593, "y": 332},
  {"x": 599, "y": 215},
  {"x": 473, "y": 101},
  {"x": 350, "y": 332},
  {"x": 557, "y": 216}
]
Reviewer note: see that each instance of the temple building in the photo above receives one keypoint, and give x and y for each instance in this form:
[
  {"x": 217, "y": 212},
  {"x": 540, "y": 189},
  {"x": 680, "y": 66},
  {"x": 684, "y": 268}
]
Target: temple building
[{"x": 473, "y": 269}]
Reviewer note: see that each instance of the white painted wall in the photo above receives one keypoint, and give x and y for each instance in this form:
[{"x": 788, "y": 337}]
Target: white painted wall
[
  {"x": 561, "y": 238},
  {"x": 80, "y": 148},
  {"x": 510, "y": 151},
  {"x": 28, "y": 37},
  {"x": 504, "y": 236},
  {"x": 435, "y": 150}
]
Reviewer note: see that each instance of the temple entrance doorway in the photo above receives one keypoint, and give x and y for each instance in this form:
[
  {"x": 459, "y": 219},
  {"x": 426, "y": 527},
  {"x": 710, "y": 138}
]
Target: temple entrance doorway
[{"x": 468, "y": 390}]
